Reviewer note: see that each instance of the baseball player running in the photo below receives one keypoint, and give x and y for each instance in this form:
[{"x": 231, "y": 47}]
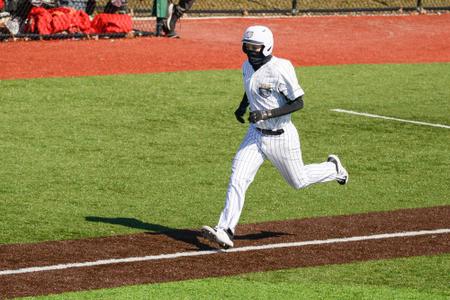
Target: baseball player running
[{"x": 272, "y": 93}]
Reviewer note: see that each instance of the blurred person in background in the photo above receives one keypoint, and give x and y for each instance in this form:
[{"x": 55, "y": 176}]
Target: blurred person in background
[
  {"x": 167, "y": 14},
  {"x": 175, "y": 12},
  {"x": 18, "y": 11}
]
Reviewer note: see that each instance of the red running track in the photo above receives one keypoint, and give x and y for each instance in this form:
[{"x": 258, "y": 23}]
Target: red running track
[{"x": 215, "y": 44}]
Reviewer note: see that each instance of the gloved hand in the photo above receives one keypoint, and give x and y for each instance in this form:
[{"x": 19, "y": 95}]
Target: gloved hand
[
  {"x": 239, "y": 113},
  {"x": 258, "y": 115}
]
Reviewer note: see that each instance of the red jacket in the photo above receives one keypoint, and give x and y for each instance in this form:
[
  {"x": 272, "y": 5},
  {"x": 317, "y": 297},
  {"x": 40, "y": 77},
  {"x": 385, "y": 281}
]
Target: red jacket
[
  {"x": 112, "y": 23},
  {"x": 56, "y": 20}
]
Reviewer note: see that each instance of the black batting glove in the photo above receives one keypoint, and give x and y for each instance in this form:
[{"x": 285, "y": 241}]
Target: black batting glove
[
  {"x": 259, "y": 115},
  {"x": 239, "y": 113}
]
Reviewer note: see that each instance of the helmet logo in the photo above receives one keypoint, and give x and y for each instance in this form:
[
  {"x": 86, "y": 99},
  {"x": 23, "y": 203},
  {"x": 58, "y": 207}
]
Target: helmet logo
[{"x": 248, "y": 34}]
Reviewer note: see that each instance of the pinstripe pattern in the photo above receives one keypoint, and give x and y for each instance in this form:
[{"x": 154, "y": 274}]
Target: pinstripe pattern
[{"x": 277, "y": 80}]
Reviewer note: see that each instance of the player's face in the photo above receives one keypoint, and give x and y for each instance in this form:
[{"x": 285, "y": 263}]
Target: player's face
[{"x": 252, "y": 48}]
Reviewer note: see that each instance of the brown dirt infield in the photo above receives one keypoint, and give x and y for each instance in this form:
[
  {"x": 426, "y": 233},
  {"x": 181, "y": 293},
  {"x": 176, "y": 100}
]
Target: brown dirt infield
[
  {"x": 220, "y": 264},
  {"x": 215, "y": 44}
]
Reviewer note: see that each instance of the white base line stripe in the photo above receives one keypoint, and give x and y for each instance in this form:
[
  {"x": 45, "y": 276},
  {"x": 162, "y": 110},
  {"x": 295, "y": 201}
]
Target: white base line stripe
[
  {"x": 209, "y": 252},
  {"x": 388, "y": 118}
]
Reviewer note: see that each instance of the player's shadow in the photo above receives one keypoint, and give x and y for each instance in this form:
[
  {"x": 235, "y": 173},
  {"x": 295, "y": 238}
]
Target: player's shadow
[{"x": 185, "y": 235}]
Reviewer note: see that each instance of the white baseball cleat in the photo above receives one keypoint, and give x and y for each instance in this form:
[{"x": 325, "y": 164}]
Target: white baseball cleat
[
  {"x": 219, "y": 236},
  {"x": 342, "y": 174}
]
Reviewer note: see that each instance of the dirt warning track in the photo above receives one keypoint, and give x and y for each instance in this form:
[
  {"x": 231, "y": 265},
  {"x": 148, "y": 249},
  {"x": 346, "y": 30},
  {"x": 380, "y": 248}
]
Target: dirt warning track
[
  {"x": 214, "y": 44},
  {"x": 184, "y": 254}
]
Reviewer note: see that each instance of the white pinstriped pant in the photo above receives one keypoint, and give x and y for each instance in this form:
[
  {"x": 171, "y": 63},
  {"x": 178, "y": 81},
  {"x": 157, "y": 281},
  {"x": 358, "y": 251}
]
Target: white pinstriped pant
[{"x": 285, "y": 154}]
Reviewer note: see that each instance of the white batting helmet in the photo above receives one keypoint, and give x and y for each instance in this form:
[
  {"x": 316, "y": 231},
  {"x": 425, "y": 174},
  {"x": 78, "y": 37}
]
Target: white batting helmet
[{"x": 259, "y": 35}]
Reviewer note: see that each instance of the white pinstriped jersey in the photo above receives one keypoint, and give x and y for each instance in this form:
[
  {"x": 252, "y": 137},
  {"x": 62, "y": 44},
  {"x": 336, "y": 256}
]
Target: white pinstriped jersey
[{"x": 268, "y": 87}]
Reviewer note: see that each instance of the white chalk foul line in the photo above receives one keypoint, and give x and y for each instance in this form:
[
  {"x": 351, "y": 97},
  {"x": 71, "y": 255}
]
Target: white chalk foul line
[
  {"x": 209, "y": 252},
  {"x": 388, "y": 118}
]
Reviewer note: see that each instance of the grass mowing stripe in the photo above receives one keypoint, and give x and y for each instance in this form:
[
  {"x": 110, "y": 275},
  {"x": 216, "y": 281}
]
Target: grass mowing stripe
[
  {"x": 388, "y": 118},
  {"x": 240, "y": 249}
]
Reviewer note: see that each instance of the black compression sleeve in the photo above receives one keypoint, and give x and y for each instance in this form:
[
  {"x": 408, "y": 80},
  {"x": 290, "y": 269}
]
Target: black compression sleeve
[
  {"x": 244, "y": 103},
  {"x": 292, "y": 106}
]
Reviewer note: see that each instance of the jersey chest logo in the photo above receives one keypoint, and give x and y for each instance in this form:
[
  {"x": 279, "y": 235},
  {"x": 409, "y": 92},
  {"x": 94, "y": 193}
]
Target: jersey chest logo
[{"x": 265, "y": 90}]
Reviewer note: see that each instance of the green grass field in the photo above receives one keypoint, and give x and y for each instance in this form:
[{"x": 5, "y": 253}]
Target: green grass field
[{"x": 158, "y": 148}]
